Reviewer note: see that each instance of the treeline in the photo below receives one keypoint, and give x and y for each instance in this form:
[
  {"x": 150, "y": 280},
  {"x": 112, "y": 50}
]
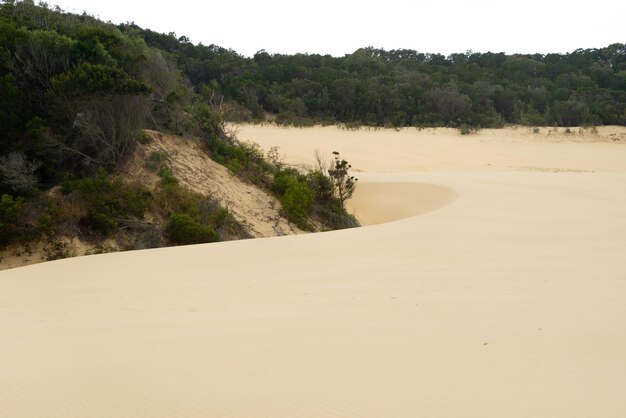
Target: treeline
[{"x": 408, "y": 88}]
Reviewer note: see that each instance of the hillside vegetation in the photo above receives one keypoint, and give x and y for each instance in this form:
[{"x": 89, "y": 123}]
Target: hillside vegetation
[{"x": 78, "y": 97}]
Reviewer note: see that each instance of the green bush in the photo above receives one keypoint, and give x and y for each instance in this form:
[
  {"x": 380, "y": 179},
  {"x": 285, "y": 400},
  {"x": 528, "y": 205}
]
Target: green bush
[
  {"x": 167, "y": 177},
  {"x": 182, "y": 229},
  {"x": 297, "y": 203},
  {"x": 101, "y": 220},
  {"x": 106, "y": 201},
  {"x": 244, "y": 159},
  {"x": 283, "y": 179},
  {"x": 227, "y": 227},
  {"x": 296, "y": 197},
  {"x": 173, "y": 198},
  {"x": 322, "y": 185}
]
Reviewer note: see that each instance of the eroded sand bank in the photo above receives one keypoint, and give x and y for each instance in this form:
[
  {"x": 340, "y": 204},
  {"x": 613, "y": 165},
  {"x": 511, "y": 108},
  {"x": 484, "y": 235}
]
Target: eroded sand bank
[{"x": 500, "y": 293}]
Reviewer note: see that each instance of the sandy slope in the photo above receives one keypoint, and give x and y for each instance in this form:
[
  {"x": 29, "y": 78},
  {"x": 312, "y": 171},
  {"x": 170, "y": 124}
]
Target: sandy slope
[
  {"x": 504, "y": 297},
  {"x": 256, "y": 209}
]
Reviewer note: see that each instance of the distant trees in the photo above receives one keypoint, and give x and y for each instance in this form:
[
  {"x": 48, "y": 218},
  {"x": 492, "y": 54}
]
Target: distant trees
[
  {"x": 448, "y": 105},
  {"x": 404, "y": 87},
  {"x": 572, "y": 113}
]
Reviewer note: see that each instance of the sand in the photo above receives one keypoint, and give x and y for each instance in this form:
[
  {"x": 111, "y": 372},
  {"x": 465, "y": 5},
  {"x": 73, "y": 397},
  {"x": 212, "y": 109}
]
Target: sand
[{"x": 496, "y": 288}]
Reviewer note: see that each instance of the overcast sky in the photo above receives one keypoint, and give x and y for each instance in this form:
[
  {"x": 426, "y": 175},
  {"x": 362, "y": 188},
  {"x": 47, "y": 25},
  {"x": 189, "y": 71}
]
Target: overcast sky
[{"x": 339, "y": 27}]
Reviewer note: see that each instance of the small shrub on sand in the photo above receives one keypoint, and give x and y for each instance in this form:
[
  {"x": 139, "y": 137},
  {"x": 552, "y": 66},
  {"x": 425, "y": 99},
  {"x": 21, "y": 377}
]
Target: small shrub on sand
[
  {"x": 167, "y": 177},
  {"x": 296, "y": 196},
  {"x": 335, "y": 216},
  {"x": 58, "y": 249},
  {"x": 297, "y": 203},
  {"x": 155, "y": 160},
  {"x": 182, "y": 229},
  {"x": 466, "y": 129}
]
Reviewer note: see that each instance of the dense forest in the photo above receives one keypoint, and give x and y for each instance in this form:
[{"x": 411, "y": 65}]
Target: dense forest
[
  {"x": 407, "y": 88},
  {"x": 76, "y": 92}
]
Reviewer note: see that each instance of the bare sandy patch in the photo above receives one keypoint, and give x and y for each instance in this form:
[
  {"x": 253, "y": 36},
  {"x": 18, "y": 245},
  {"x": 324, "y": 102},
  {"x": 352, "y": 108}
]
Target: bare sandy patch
[{"x": 410, "y": 149}]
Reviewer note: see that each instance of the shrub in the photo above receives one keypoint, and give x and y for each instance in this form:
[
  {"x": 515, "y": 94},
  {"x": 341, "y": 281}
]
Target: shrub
[
  {"x": 167, "y": 177},
  {"x": 156, "y": 160},
  {"x": 107, "y": 201},
  {"x": 274, "y": 158},
  {"x": 335, "y": 216},
  {"x": 10, "y": 211},
  {"x": 244, "y": 159},
  {"x": 227, "y": 227},
  {"x": 58, "y": 249},
  {"x": 322, "y": 185},
  {"x": 173, "y": 198},
  {"x": 297, "y": 202},
  {"x": 283, "y": 179},
  {"x": 466, "y": 129},
  {"x": 296, "y": 196},
  {"x": 182, "y": 229}
]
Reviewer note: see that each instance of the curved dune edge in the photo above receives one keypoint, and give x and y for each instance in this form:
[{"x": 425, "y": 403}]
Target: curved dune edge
[{"x": 377, "y": 203}]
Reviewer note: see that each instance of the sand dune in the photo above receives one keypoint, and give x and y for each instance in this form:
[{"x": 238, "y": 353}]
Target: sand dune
[{"x": 498, "y": 291}]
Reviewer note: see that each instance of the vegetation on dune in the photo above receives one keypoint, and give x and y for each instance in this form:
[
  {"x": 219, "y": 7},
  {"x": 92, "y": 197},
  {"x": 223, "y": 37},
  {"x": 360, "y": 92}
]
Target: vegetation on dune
[
  {"x": 182, "y": 229},
  {"x": 319, "y": 193}
]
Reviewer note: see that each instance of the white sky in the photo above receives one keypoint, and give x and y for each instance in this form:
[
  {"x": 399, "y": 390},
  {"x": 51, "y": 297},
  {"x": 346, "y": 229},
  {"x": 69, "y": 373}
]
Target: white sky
[{"x": 339, "y": 27}]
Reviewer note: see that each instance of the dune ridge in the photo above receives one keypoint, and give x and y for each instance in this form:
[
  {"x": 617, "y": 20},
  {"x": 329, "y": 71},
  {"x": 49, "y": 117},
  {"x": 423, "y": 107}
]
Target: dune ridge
[{"x": 506, "y": 299}]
